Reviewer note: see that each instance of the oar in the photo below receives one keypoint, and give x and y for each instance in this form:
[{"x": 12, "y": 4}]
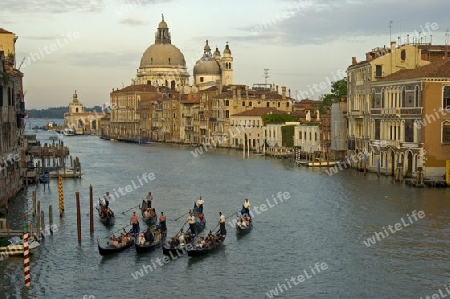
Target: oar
[
  {"x": 176, "y": 219},
  {"x": 131, "y": 209},
  {"x": 118, "y": 231}
]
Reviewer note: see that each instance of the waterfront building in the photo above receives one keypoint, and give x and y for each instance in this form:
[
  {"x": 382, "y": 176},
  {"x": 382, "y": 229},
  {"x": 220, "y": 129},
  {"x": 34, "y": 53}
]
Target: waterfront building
[
  {"x": 411, "y": 113},
  {"x": 125, "y": 118},
  {"x": 190, "y": 119},
  {"x": 13, "y": 156},
  {"x": 247, "y": 128},
  {"x": 339, "y": 130},
  {"x": 307, "y": 136},
  {"x": 80, "y": 121},
  {"x": 145, "y": 108},
  {"x": 379, "y": 63},
  {"x": 325, "y": 135},
  {"x": 240, "y": 98}
]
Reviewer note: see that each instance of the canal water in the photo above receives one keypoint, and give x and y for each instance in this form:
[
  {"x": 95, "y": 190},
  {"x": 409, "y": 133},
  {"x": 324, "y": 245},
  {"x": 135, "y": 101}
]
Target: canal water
[{"x": 310, "y": 242}]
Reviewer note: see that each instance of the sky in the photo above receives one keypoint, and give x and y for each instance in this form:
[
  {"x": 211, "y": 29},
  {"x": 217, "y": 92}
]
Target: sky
[{"x": 92, "y": 46}]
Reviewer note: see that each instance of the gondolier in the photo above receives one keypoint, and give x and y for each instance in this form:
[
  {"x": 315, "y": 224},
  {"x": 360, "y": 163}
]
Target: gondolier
[
  {"x": 191, "y": 221},
  {"x": 149, "y": 200},
  {"x": 246, "y": 207},
  {"x": 162, "y": 220},
  {"x": 222, "y": 219},
  {"x": 107, "y": 198},
  {"x": 134, "y": 220},
  {"x": 200, "y": 203}
]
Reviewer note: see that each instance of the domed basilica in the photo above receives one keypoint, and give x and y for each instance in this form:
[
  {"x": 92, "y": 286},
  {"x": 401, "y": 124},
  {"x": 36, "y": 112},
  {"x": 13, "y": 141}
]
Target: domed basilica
[{"x": 163, "y": 64}]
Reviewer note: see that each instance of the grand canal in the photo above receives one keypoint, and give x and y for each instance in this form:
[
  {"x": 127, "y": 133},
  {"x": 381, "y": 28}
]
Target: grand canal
[{"x": 325, "y": 220}]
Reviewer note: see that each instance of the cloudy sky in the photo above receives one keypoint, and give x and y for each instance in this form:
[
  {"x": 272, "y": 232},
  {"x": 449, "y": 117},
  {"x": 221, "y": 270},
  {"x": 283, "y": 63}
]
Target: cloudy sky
[{"x": 93, "y": 46}]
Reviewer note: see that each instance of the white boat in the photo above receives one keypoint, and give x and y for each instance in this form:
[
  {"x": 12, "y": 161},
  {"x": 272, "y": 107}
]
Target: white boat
[
  {"x": 15, "y": 246},
  {"x": 68, "y": 132}
]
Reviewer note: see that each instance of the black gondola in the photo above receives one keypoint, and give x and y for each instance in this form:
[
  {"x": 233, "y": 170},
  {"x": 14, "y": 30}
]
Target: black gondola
[
  {"x": 149, "y": 219},
  {"x": 209, "y": 247},
  {"x": 150, "y": 246},
  {"x": 105, "y": 214},
  {"x": 111, "y": 249}
]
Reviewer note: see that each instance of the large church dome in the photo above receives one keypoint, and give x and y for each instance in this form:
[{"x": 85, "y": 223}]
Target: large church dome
[{"x": 162, "y": 55}]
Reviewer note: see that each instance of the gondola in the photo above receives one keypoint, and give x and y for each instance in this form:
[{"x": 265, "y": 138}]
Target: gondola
[
  {"x": 142, "y": 246},
  {"x": 106, "y": 215},
  {"x": 150, "y": 220},
  {"x": 111, "y": 249},
  {"x": 219, "y": 239}
]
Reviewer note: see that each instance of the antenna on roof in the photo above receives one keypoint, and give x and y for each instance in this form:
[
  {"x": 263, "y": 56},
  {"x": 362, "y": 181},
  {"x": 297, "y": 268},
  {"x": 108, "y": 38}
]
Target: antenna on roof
[
  {"x": 266, "y": 75},
  {"x": 446, "y": 37},
  {"x": 390, "y": 31}
]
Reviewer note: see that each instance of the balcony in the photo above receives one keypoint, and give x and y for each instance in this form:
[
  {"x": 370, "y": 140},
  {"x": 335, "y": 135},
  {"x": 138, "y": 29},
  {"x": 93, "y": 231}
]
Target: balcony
[
  {"x": 213, "y": 119},
  {"x": 356, "y": 113}
]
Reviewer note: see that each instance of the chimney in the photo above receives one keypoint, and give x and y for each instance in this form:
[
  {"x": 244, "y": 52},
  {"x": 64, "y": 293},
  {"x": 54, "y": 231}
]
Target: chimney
[
  {"x": 246, "y": 91},
  {"x": 219, "y": 86},
  {"x": 233, "y": 89},
  {"x": 393, "y": 44},
  {"x": 283, "y": 92},
  {"x": 289, "y": 92},
  {"x": 354, "y": 61},
  {"x": 276, "y": 88},
  {"x": 368, "y": 57},
  {"x": 239, "y": 93},
  {"x": 446, "y": 52}
]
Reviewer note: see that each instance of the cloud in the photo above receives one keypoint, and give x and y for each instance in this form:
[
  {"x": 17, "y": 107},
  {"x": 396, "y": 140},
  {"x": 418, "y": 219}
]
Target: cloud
[
  {"x": 133, "y": 22},
  {"x": 51, "y": 6},
  {"x": 104, "y": 59},
  {"x": 322, "y": 21}
]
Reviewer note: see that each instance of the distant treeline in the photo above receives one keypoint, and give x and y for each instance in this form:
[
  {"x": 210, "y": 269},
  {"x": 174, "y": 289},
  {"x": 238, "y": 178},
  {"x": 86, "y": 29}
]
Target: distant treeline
[{"x": 55, "y": 112}]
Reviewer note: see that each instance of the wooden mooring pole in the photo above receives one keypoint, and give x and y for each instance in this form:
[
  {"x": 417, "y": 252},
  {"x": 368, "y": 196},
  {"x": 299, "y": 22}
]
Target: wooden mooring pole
[
  {"x": 91, "y": 209},
  {"x": 77, "y": 195}
]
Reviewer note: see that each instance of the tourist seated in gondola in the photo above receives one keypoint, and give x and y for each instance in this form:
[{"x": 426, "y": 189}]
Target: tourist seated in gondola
[
  {"x": 242, "y": 222},
  {"x": 149, "y": 237},
  {"x": 174, "y": 242},
  {"x": 122, "y": 239},
  {"x": 201, "y": 242},
  {"x": 115, "y": 241},
  {"x": 181, "y": 239}
]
